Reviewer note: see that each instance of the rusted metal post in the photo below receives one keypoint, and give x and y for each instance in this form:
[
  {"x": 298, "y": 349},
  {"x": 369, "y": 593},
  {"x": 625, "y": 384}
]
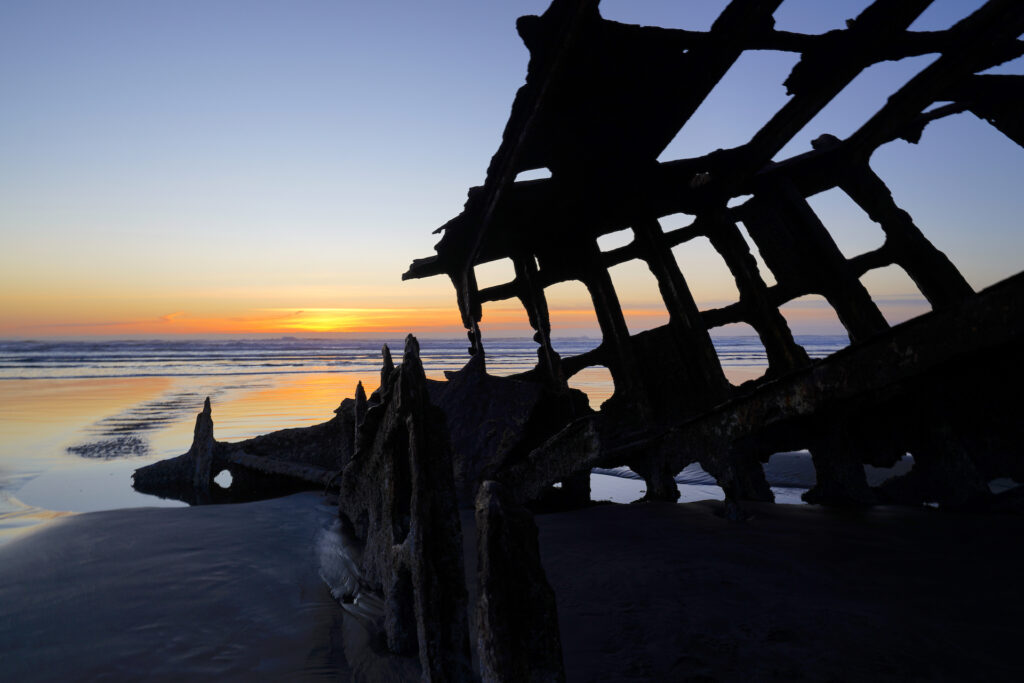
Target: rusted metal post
[
  {"x": 468, "y": 297},
  {"x": 533, "y": 299},
  {"x": 930, "y": 269},
  {"x": 696, "y": 350},
  {"x": 784, "y": 354},
  {"x": 614, "y": 331},
  {"x": 803, "y": 255}
]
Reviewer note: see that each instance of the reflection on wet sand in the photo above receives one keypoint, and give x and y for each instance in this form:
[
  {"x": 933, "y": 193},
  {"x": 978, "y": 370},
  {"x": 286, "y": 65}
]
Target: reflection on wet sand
[
  {"x": 16, "y": 518},
  {"x": 28, "y": 408},
  {"x": 71, "y": 444}
]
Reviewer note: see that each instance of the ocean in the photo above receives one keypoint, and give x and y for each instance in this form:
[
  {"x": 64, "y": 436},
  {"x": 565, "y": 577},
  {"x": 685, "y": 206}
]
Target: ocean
[{"x": 78, "y": 417}]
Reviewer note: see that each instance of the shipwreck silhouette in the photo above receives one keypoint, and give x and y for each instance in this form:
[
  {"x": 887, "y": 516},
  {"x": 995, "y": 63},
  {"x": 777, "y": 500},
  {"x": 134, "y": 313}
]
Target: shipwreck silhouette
[{"x": 601, "y": 102}]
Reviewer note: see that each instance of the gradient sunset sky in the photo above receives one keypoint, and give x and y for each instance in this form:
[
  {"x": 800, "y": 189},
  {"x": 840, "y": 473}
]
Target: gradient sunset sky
[{"x": 203, "y": 167}]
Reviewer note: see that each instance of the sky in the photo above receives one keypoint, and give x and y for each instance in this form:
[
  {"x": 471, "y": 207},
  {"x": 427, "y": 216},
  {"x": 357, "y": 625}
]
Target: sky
[{"x": 201, "y": 167}]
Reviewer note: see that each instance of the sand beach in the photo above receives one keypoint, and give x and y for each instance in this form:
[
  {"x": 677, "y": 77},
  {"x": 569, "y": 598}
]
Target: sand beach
[
  {"x": 225, "y": 592},
  {"x": 645, "y": 592}
]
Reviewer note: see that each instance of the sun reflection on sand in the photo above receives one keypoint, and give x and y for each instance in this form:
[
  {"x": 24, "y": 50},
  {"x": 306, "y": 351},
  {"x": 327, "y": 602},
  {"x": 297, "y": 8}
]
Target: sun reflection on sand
[
  {"x": 26, "y": 403},
  {"x": 41, "y": 418},
  {"x": 288, "y": 401}
]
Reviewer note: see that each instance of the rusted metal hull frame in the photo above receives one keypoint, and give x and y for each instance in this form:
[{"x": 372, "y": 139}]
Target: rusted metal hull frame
[{"x": 556, "y": 222}]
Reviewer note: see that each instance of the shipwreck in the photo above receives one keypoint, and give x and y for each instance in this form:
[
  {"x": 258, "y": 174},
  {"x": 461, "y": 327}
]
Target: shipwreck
[{"x": 601, "y": 102}]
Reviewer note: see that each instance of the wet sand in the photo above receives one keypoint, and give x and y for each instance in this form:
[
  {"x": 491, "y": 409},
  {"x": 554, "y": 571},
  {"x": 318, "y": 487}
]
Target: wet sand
[
  {"x": 661, "y": 592},
  {"x": 647, "y": 592},
  {"x": 225, "y": 592}
]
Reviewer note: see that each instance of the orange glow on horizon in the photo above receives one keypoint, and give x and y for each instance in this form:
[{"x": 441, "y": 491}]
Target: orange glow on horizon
[
  {"x": 304, "y": 321},
  {"x": 576, "y": 319},
  {"x": 263, "y": 321}
]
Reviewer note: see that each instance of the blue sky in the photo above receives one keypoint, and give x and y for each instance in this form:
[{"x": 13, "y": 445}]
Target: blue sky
[{"x": 167, "y": 160}]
